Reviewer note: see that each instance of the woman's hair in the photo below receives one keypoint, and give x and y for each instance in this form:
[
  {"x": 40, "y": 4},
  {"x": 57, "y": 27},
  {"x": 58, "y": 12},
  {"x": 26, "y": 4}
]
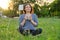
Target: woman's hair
[{"x": 24, "y": 8}]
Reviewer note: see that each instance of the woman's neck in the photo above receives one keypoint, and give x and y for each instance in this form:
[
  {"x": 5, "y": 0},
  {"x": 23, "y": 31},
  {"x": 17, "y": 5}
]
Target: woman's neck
[{"x": 27, "y": 12}]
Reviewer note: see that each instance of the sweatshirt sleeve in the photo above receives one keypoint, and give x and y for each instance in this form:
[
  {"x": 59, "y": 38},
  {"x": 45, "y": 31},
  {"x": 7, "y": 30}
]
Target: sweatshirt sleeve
[
  {"x": 20, "y": 19},
  {"x": 35, "y": 19}
]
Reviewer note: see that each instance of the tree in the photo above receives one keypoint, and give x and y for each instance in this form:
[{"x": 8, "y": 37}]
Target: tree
[
  {"x": 37, "y": 10},
  {"x": 55, "y": 8}
]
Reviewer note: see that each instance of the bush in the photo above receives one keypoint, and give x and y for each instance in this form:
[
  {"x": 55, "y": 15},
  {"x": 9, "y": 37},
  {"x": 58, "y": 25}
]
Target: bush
[{"x": 10, "y": 13}]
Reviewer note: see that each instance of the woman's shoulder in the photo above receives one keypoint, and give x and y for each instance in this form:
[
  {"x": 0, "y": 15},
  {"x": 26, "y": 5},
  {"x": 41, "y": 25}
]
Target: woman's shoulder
[
  {"x": 34, "y": 14},
  {"x": 21, "y": 14}
]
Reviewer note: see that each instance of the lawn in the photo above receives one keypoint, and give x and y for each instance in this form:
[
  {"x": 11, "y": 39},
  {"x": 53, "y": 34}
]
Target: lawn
[{"x": 50, "y": 26}]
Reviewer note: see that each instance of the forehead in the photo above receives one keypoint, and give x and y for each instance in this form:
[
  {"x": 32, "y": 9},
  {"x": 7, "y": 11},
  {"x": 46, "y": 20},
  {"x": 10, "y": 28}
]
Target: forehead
[{"x": 27, "y": 6}]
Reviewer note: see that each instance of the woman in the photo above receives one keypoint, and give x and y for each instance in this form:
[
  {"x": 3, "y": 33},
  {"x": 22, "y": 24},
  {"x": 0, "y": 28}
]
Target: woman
[{"x": 28, "y": 21}]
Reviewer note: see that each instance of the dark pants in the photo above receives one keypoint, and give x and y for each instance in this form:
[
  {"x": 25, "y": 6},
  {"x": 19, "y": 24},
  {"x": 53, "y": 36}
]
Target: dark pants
[{"x": 33, "y": 32}]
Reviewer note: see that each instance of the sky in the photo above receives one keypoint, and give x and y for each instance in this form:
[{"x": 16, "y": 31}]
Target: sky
[{"x": 4, "y": 3}]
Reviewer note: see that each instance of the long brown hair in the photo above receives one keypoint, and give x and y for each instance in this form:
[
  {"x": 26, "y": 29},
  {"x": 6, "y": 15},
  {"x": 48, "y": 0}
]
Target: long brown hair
[{"x": 32, "y": 10}]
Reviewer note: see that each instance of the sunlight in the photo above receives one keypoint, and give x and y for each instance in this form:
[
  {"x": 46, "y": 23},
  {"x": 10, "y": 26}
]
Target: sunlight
[
  {"x": 50, "y": 1},
  {"x": 4, "y": 4},
  {"x": 41, "y": 2}
]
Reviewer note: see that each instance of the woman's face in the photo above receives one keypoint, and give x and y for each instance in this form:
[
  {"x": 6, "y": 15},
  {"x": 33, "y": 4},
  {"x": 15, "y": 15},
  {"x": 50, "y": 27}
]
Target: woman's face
[{"x": 27, "y": 8}]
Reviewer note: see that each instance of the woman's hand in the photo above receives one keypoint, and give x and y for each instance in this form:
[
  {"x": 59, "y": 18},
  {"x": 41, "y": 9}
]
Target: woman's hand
[
  {"x": 29, "y": 17},
  {"x": 25, "y": 17}
]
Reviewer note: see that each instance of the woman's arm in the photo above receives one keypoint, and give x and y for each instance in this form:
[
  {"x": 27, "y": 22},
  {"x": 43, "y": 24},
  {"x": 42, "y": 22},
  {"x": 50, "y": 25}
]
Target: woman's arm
[
  {"x": 35, "y": 21},
  {"x": 23, "y": 20}
]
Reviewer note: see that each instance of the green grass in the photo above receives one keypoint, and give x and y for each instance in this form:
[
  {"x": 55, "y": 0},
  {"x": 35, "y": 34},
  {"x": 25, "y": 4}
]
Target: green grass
[{"x": 50, "y": 26}]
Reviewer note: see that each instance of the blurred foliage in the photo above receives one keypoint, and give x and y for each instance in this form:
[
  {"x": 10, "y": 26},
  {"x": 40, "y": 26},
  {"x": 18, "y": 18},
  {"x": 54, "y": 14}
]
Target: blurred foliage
[
  {"x": 41, "y": 10},
  {"x": 9, "y": 13},
  {"x": 46, "y": 10},
  {"x": 0, "y": 8},
  {"x": 55, "y": 8},
  {"x": 50, "y": 10},
  {"x": 36, "y": 9}
]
